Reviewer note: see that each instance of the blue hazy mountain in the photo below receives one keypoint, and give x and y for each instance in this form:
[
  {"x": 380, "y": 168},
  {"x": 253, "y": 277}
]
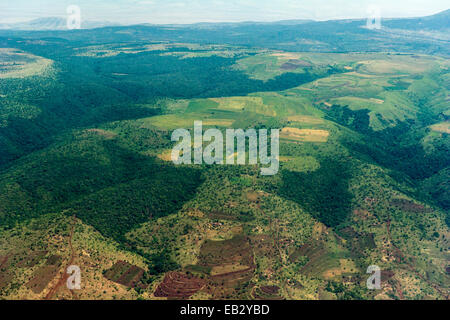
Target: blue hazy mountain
[{"x": 52, "y": 23}]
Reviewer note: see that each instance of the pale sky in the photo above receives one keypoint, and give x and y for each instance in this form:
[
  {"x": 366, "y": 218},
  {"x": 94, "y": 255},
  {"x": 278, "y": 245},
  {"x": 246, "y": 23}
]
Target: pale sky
[{"x": 191, "y": 11}]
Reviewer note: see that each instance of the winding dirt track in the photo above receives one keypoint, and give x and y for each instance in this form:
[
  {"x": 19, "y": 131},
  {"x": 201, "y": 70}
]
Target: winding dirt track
[{"x": 62, "y": 281}]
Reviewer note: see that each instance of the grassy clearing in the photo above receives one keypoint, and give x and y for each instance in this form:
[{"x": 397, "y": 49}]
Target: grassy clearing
[
  {"x": 396, "y": 64},
  {"x": 443, "y": 127},
  {"x": 18, "y": 64}
]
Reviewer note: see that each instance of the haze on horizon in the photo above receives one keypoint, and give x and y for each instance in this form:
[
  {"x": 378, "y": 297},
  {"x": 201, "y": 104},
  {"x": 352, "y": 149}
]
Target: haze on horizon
[{"x": 193, "y": 11}]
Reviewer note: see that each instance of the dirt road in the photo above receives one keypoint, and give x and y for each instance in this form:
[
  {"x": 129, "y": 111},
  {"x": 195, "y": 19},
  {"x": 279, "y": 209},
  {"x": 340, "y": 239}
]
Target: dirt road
[{"x": 62, "y": 281}]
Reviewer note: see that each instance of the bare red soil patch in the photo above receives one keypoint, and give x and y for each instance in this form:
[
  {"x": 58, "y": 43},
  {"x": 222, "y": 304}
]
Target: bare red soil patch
[
  {"x": 45, "y": 274},
  {"x": 5, "y": 275},
  {"x": 3, "y": 261},
  {"x": 386, "y": 275},
  {"x": 179, "y": 285}
]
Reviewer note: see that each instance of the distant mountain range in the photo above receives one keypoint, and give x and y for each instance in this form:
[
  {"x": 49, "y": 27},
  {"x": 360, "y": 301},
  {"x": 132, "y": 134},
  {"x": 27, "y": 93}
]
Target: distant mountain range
[
  {"x": 439, "y": 21},
  {"x": 52, "y": 23},
  {"x": 215, "y": 25},
  {"x": 427, "y": 35}
]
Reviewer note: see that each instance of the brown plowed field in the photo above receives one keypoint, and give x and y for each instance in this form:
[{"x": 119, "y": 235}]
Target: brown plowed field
[
  {"x": 125, "y": 274},
  {"x": 5, "y": 275},
  {"x": 267, "y": 293},
  {"x": 179, "y": 285},
  {"x": 45, "y": 274}
]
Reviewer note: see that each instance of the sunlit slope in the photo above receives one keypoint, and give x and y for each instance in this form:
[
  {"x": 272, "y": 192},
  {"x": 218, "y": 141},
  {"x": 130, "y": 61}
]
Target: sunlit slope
[
  {"x": 35, "y": 255},
  {"x": 15, "y": 63}
]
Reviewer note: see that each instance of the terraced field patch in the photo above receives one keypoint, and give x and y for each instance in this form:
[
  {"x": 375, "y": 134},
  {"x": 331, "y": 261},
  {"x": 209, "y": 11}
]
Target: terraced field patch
[
  {"x": 267, "y": 293},
  {"x": 124, "y": 273},
  {"x": 321, "y": 261},
  {"x": 306, "y": 135},
  {"x": 179, "y": 285}
]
